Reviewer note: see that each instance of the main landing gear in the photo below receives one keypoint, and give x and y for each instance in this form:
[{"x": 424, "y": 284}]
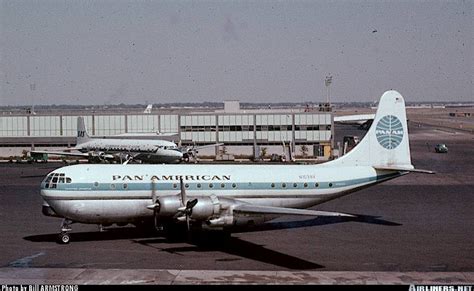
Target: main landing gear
[{"x": 64, "y": 236}]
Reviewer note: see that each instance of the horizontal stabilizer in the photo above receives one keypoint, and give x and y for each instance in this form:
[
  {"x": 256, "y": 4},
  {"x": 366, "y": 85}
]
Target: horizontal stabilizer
[
  {"x": 404, "y": 169},
  {"x": 257, "y": 209}
]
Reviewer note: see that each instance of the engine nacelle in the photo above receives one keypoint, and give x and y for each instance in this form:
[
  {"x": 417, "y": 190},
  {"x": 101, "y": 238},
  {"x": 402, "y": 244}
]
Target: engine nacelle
[
  {"x": 101, "y": 155},
  {"x": 105, "y": 157},
  {"x": 206, "y": 207},
  {"x": 169, "y": 205}
]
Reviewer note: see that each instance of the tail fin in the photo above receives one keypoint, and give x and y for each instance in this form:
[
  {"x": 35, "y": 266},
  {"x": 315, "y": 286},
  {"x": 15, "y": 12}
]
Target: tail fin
[
  {"x": 148, "y": 109},
  {"x": 82, "y": 135},
  {"x": 386, "y": 144}
]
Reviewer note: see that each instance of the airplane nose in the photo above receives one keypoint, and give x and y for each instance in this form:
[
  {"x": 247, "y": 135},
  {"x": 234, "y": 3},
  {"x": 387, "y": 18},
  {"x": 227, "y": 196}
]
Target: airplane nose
[{"x": 178, "y": 154}]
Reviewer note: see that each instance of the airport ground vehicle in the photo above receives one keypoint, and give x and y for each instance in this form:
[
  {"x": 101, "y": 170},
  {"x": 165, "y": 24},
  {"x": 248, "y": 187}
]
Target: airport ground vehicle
[
  {"x": 441, "y": 148},
  {"x": 29, "y": 158}
]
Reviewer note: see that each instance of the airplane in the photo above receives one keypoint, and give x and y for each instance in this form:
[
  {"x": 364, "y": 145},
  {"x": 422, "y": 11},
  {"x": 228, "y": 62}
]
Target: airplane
[
  {"x": 207, "y": 197},
  {"x": 120, "y": 149},
  {"x": 148, "y": 109},
  {"x": 363, "y": 121}
]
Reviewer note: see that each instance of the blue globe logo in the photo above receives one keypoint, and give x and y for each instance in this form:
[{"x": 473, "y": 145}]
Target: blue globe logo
[{"x": 389, "y": 132}]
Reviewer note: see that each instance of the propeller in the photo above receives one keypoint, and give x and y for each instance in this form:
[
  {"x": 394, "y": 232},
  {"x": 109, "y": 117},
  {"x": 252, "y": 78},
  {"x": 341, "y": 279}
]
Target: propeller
[
  {"x": 155, "y": 206},
  {"x": 125, "y": 158},
  {"x": 192, "y": 153},
  {"x": 186, "y": 205},
  {"x": 189, "y": 152}
]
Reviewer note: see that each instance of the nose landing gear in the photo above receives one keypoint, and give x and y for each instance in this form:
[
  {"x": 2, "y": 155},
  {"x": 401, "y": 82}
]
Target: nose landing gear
[{"x": 64, "y": 236}]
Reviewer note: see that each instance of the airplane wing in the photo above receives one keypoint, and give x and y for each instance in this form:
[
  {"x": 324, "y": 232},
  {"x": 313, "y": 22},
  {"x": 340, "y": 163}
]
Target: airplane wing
[
  {"x": 405, "y": 169},
  {"x": 207, "y": 146},
  {"x": 74, "y": 154},
  {"x": 257, "y": 209}
]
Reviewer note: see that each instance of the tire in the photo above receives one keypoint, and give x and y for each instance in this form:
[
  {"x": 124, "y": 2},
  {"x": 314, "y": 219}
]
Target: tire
[{"x": 64, "y": 238}]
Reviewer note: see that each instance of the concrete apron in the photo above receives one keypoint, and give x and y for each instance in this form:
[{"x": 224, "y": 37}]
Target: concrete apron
[{"x": 176, "y": 277}]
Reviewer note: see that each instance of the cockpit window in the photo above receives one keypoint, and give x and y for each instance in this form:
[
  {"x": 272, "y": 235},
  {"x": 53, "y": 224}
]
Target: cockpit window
[{"x": 53, "y": 179}]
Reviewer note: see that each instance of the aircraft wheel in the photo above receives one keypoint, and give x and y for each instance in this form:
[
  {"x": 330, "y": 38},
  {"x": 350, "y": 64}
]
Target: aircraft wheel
[{"x": 64, "y": 238}]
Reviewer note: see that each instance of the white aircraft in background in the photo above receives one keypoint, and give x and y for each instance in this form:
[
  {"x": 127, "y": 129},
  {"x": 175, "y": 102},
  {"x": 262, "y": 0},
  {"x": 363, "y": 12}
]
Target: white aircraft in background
[
  {"x": 148, "y": 109},
  {"x": 120, "y": 149},
  {"x": 224, "y": 196},
  {"x": 364, "y": 121}
]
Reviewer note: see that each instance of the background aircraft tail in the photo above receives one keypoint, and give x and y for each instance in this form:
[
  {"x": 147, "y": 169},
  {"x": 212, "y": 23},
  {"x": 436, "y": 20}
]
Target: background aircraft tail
[
  {"x": 82, "y": 135},
  {"x": 386, "y": 144},
  {"x": 148, "y": 109}
]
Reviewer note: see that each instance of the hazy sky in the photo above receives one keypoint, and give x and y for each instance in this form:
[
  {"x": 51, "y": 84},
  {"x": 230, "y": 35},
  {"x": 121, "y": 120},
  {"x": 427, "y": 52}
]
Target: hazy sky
[{"x": 109, "y": 52}]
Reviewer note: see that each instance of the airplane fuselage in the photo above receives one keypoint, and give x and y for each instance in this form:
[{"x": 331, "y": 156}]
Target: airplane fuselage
[
  {"x": 103, "y": 194},
  {"x": 145, "y": 150}
]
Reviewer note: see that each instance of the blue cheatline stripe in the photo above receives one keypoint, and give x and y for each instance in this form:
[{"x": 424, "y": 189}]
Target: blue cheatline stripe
[{"x": 216, "y": 186}]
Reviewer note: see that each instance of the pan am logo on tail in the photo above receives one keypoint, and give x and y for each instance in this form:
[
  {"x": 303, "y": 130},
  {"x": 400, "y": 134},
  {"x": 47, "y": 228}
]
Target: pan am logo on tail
[{"x": 389, "y": 132}]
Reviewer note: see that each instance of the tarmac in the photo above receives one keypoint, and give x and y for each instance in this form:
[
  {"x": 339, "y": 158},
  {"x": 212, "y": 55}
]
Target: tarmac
[
  {"x": 193, "y": 277},
  {"x": 414, "y": 229}
]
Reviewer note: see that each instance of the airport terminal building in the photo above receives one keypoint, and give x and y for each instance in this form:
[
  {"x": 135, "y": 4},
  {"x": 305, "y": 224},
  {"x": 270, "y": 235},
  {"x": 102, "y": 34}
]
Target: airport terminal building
[{"x": 243, "y": 133}]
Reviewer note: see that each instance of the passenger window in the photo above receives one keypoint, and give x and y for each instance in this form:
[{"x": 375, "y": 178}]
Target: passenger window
[
  {"x": 68, "y": 180},
  {"x": 199, "y": 185},
  {"x": 125, "y": 186},
  {"x": 222, "y": 185},
  {"x": 210, "y": 185}
]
